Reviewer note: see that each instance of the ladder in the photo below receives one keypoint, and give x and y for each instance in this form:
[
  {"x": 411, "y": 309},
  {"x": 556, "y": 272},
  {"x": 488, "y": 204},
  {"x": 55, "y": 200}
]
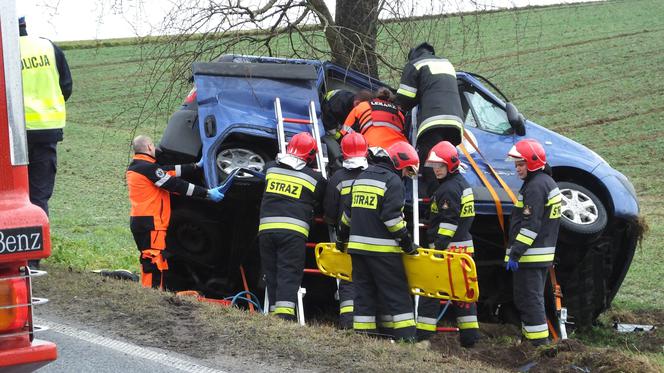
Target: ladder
[{"x": 321, "y": 166}]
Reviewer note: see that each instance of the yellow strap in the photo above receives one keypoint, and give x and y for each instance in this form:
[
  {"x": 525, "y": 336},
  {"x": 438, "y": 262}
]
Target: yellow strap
[
  {"x": 494, "y": 195},
  {"x": 495, "y": 174}
]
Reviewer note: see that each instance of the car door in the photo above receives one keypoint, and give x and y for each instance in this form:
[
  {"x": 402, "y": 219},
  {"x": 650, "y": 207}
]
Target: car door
[{"x": 487, "y": 125}]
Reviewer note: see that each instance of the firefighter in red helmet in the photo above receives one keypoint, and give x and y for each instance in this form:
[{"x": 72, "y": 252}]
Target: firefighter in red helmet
[
  {"x": 292, "y": 191},
  {"x": 376, "y": 239},
  {"x": 354, "y": 149},
  {"x": 452, "y": 211},
  {"x": 533, "y": 235}
]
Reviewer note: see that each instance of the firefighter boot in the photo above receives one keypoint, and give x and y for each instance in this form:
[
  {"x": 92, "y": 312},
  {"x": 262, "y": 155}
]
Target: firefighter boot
[{"x": 468, "y": 337}]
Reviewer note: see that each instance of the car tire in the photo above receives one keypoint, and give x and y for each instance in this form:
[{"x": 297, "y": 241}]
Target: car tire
[
  {"x": 583, "y": 215},
  {"x": 244, "y": 188}
]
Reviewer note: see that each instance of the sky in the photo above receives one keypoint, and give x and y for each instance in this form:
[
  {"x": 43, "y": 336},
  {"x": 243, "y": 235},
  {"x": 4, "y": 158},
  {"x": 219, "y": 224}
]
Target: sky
[{"x": 64, "y": 20}]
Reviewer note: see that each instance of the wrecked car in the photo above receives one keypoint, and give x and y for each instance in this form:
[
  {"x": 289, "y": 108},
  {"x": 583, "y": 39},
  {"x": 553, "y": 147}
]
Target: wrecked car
[{"x": 229, "y": 120}]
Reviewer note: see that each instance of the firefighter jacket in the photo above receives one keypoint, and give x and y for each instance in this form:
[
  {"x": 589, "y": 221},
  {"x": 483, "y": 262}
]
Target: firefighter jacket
[
  {"x": 430, "y": 81},
  {"x": 379, "y": 121},
  {"x": 452, "y": 213},
  {"x": 149, "y": 187},
  {"x": 289, "y": 199},
  {"x": 338, "y": 193},
  {"x": 375, "y": 210},
  {"x": 535, "y": 222},
  {"x": 335, "y": 108}
]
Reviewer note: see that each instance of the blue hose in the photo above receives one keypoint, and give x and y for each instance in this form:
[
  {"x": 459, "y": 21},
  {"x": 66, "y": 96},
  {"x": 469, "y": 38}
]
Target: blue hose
[
  {"x": 442, "y": 313},
  {"x": 237, "y": 296}
]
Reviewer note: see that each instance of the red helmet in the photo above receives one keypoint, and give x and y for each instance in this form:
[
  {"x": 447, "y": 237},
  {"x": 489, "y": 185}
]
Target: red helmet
[
  {"x": 404, "y": 155},
  {"x": 444, "y": 153},
  {"x": 354, "y": 145},
  {"x": 531, "y": 152},
  {"x": 303, "y": 146}
]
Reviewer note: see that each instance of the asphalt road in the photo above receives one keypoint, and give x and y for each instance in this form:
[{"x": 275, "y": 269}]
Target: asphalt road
[{"x": 83, "y": 351}]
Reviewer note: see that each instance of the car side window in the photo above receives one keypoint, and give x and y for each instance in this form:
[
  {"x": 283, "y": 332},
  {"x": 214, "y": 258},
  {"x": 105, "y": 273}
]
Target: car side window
[{"x": 486, "y": 115}]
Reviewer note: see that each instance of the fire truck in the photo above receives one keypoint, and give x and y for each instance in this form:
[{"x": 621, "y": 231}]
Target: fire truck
[{"x": 24, "y": 229}]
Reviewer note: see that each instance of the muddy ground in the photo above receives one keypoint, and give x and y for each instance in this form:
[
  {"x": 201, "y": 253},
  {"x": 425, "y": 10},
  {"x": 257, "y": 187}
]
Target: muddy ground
[{"x": 121, "y": 309}]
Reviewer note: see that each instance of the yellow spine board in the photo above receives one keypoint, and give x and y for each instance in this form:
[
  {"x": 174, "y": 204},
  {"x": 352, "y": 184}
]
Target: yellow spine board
[{"x": 432, "y": 273}]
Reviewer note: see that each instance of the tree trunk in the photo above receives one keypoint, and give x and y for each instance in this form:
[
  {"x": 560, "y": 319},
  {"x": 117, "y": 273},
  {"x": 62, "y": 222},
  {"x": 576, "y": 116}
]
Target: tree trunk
[{"x": 357, "y": 22}]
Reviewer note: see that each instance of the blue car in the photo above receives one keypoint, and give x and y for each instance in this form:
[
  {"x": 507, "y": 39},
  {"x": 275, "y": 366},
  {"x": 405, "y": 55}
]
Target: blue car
[{"x": 229, "y": 120}]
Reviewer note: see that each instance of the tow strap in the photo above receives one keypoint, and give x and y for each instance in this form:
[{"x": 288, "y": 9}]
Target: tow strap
[{"x": 485, "y": 181}]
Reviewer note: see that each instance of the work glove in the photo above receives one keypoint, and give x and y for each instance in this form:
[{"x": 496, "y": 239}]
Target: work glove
[
  {"x": 407, "y": 245},
  {"x": 215, "y": 194},
  {"x": 340, "y": 245},
  {"x": 512, "y": 265}
]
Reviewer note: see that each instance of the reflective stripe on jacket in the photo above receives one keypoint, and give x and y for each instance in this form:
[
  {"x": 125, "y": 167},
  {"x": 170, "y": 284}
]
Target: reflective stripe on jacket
[
  {"x": 379, "y": 121},
  {"x": 149, "y": 185},
  {"x": 535, "y": 222},
  {"x": 42, "y": 98},
  {"x": 452, "y": 213},
  {"x": 375, "y": 211},
  {"x": 430, "y": 81},
  {"x": 289, "y": 199}
]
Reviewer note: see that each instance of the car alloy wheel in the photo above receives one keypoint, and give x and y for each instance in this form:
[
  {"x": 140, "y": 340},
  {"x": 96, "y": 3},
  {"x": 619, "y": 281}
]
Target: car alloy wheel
[
  {"x": 577, "y": 207},
  {"x": 232, "y": 158}
]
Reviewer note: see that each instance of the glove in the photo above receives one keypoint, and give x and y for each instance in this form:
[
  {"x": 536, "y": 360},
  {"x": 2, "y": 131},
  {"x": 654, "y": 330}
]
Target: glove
[
  {"x": 215, "y": 194},
  {"x": 407, "y": 245},
  {"x": 512, "y": 265},
  {"x": 341, "y": 246},
  {"x": 199, "y": 164}
]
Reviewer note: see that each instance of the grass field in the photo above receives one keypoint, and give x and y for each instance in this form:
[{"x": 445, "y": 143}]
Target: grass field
[{"x": 592, "y": 72}]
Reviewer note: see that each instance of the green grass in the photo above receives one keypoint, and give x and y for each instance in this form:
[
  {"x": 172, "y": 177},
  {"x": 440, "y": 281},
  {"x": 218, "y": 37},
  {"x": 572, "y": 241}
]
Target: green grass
[{"x": 592, "y": 72}]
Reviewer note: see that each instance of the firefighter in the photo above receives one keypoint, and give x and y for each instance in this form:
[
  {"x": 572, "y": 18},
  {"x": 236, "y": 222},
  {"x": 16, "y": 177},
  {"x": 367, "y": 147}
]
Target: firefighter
[
  {"x": 377, "y": 237},
  {"x": 354, "y": 149},
  {"x": 149, "y": 186},
  {"x": 379, "y": 120},
  {"x": 533, "y": 235},
  {"x": 452, "y": 211},
  {"x": 335, "y": 107},
  {"x": 293, "y": 189},
  {"x": 430, "y": 82}
]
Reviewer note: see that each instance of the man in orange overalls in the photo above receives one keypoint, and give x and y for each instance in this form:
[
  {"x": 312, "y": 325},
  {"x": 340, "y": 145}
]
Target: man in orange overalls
[{"x": 149, "y": 186}]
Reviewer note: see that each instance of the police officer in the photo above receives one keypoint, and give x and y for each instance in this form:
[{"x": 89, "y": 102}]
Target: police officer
[
  {"x": 430, "y": 82},
  {"x": 47, "y": 84},
  {"x": 149, "y": 186},
  {"x": 354, "y": 149},
  {"x": 533, "y": 235},
  {"x": 379, "y": 120},
  {"x": 292, "y": 191},
  {"x": 452, "y": 211},
  {"x": 376, "y": 239}
]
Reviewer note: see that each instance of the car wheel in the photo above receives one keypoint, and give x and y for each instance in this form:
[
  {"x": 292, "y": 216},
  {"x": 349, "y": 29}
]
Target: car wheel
[
  {"x": 250, "y": 156},
  {"x": 583, "y": 216}
]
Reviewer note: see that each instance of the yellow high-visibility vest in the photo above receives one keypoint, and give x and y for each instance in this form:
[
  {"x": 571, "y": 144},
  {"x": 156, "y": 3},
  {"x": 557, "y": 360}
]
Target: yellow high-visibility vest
[{"x": 42, "y": 97}]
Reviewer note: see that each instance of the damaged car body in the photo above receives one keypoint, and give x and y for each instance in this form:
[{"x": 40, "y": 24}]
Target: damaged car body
[{"x": 229, "y": 120}]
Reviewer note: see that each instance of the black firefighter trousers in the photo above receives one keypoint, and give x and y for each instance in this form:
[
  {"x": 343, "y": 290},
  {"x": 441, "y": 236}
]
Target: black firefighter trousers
[
  {"x": 382, "y": 279},
  {"x": 282, "y": 261},
  {"x": 528, "y": 291}
]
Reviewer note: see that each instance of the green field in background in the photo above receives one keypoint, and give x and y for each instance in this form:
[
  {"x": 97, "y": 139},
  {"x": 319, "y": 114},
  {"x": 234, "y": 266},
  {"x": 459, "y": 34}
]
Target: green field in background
[{"x": 592, "y": 72}]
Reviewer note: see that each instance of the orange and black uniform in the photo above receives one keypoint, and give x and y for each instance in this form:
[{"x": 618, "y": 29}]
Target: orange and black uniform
[
  {"x": 379, "y": 121},
  {"x": 149, "y": 186},
  {"x": 452, "y": 212}
]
